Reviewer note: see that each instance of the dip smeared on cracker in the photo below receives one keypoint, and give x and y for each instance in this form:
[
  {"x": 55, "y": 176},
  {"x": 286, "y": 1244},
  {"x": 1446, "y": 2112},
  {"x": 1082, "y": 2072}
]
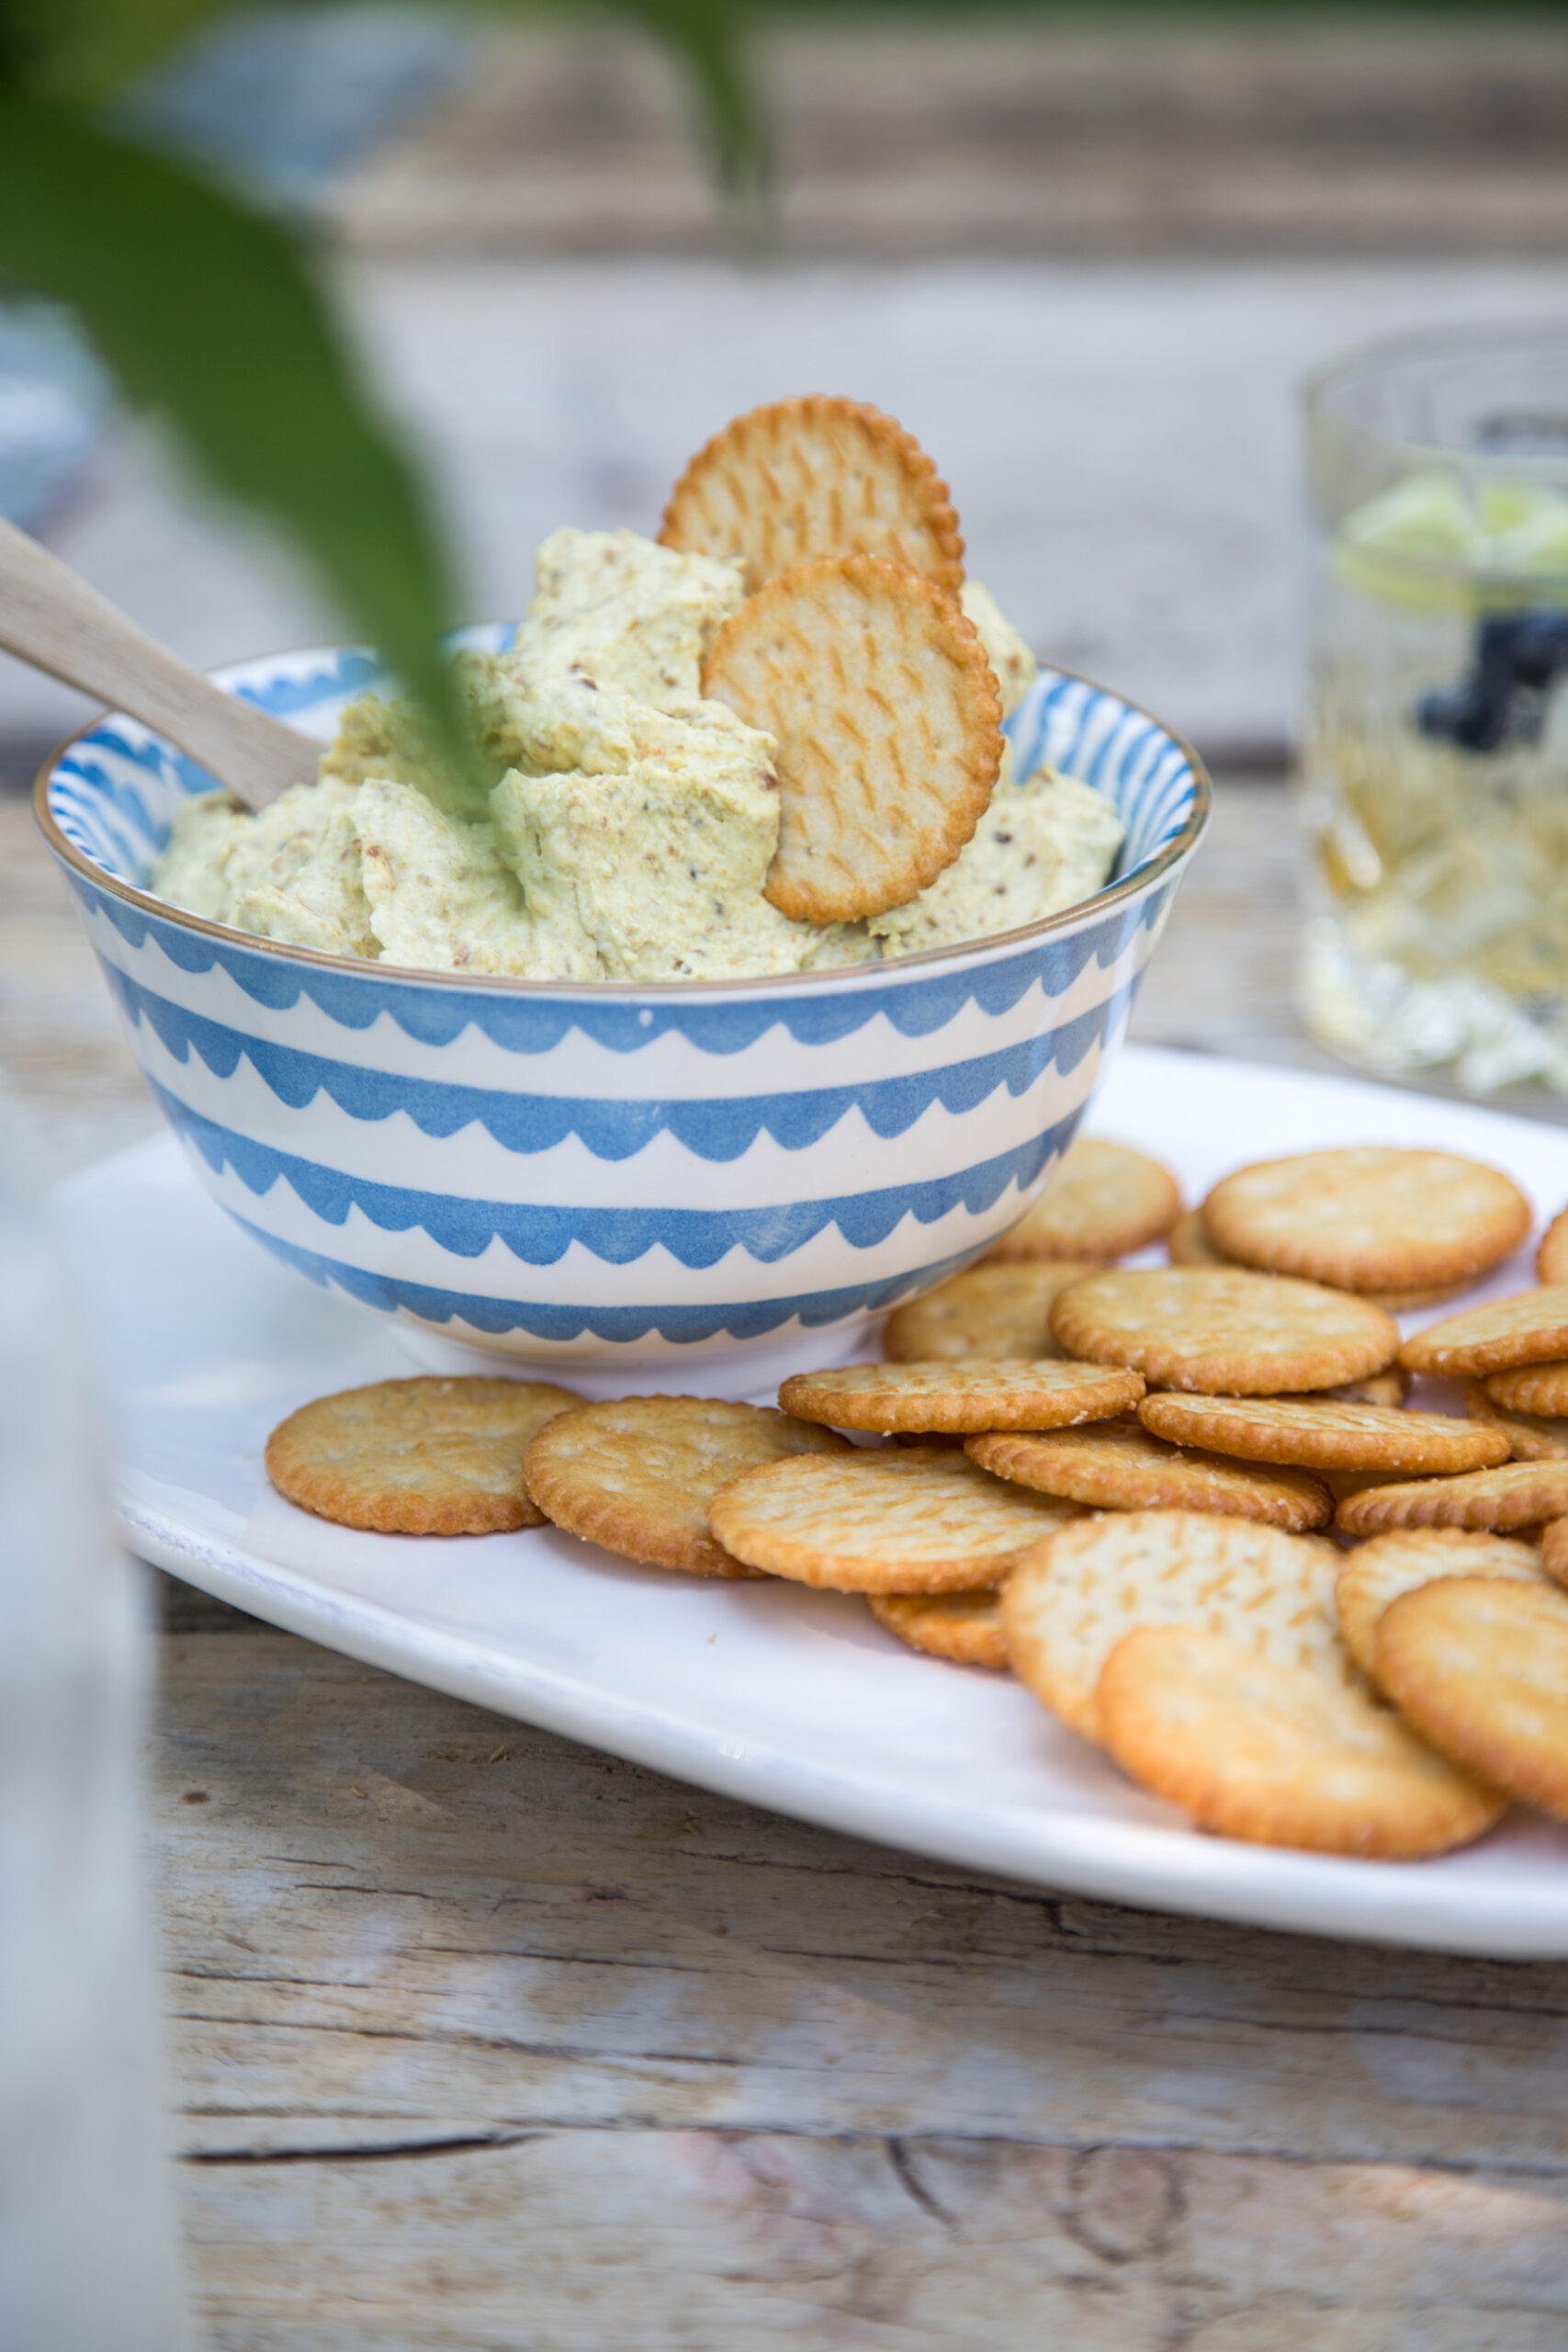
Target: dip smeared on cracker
[{"x": 637, "y": 826}]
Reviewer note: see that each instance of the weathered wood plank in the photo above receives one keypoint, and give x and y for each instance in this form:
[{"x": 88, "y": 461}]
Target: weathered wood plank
[
  {"x": 688, "y": 2241},
  {"x": 486, "y": 2039},
  {"x": 433, "y": 1922}
]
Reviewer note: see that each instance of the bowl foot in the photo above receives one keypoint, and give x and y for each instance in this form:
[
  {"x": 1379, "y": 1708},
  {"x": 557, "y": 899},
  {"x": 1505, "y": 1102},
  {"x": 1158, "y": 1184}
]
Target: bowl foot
[{"x": 747, "y": 1368}]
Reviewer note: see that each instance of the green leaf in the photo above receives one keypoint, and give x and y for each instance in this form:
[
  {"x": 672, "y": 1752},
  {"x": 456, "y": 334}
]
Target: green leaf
[
  {"x": 208, "y": 313},
  {"x": 706, "y": 37}
]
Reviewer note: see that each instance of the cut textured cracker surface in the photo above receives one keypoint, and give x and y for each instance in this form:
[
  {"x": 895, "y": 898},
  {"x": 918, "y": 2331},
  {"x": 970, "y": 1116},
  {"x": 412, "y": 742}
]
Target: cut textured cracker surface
[
  {"x": 1530, "y": 1389},
  {"x": 798, "y": 479},
  {"x": 1516, "y": 1493},
  {"x": 1377, "y": 1572},
  {"x": 880, "y": 699},
  {"x": 636, "y": 1474},
  {"x": 977, "y": 1392},
  {"x": 1225, "y": 1329},
  {"x": 1330, "y": 1434},
  {"x": 1480, "y": 1667},
  {"x": 1071, "y": 1599},
  {"x": 1530, "y": 1327},
  {"x": 1551, "y": 1258},
  {"x": 903, "y": 1518},
  {"x": 425, "y": 1456},
  {"x": 1375, "y": 1218},
  {"x": 1117, "y": 1465},
  {"x": 963, "y": 1627},
  {"x": 1530, "y": 1437},
  {"x": 1279, "y": 1755},
  {"x": 1104, "y": 1199},
  {"x": 985, "y": 1311}
]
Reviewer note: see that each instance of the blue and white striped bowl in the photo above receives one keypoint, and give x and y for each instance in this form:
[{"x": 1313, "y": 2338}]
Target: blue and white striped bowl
[{"x": 717, "y": 1183}]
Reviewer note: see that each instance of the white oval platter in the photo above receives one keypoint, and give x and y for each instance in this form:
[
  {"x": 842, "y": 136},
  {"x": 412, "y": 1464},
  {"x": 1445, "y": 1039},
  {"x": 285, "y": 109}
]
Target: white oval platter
[{"x": 788, "y": 1697}]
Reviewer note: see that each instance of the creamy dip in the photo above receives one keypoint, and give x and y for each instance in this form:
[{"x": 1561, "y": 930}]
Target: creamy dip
[{"x": 628, "y": 825}]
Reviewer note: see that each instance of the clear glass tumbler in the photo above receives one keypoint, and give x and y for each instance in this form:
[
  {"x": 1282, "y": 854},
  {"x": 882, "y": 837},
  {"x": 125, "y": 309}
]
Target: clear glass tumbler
[
  {"x": 1435, "y": 758},
  {"x": 89, "y": 2261}
]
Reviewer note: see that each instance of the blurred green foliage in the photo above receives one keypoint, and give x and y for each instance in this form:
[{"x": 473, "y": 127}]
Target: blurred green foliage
[{"x": 209, "y": 313}]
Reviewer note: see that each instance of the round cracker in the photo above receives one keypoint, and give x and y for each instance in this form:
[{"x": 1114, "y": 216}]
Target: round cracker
[
  {"x": 1377, "y": 1572},
  {"x": 1188, "y": 1242},
  {"x": 1532, "y": 1437},
  {"x": 636, "y": 1473},
  {"x": 979, "y": 1393},
  {"x": 1554, "y": 1553},
  {"x": 1375, "y": 1218},
  {"x": 878, "y": 695},
  {"x": 1480, "y": 1664},
  {"x": 1070, "y": 1600},
  {"x": 1225, "y": 1329},
  {"x": 1104, "y": 1200},
  {"x": 1530, "y": 1327},
  {"x": 900, "y": 1519},
  {"x": 963, "y": 1627},
  {"x": 1551, "y": 1258},
  {"x": 798, "y": 479},
  {"x": 985, "y": 1311},
  {"x": 1279, "y": 1755},
  {"x": 1117, "y": 1465},
  {"x": 426, "y": 1456},
  {"x": 1325, "y": 1433},
  {"x": 1530, "y": 1389},
  {"x": 1389, "y": 1387},
  {"x": 1516, "y": 1493}
]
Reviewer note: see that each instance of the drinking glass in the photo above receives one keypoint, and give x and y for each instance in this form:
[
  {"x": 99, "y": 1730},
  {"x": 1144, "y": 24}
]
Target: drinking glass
[
  {"x": 1435, "y": 759},
  {"x": 88, "y": 2260}
]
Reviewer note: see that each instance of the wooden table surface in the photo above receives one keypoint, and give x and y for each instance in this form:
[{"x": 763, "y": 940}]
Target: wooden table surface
[{"x": 482, "y": 2041}]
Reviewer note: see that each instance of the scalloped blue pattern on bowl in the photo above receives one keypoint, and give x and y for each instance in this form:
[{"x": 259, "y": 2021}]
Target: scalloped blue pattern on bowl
[{"x": 656, "y": 1170}]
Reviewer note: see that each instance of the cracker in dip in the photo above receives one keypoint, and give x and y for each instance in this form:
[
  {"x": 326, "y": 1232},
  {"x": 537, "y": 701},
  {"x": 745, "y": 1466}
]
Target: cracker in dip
[{"x": 629, "y": 825}]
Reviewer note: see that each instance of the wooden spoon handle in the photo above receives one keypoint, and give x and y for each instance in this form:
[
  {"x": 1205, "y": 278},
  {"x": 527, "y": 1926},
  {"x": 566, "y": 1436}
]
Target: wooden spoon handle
[{"x": 51, "y": 618}]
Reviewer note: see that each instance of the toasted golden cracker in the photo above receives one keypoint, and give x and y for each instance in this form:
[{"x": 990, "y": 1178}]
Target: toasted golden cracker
[
  {"x": 1069, "y": 1600},
  {"x": 1551, "y": 1258},
  {"x": 1279, "y": 1755},
  {"x": 1188, "y": 1242},
  {"x": 985, "y": 1311},
  {"x": 965, "y": 1627},
  {"x": 1376, "y": 1573},
  {"x": 800, "y": 479},
  {"x": 1516, "y": 1493},
  {"x": 1223, "y": 1329},
  {"x": 1480, "y": 1666},
  {"x": 1102, "y": 1201},
  {"x": 636, "y": 1474},
  {"x": 894, "y": 1518},
  {"x": 1389, "y": 1387},
  {"x": 1530, "y": 1389},
  {"x": 879, "y": 696},
  {"x": 1370, "y": 1219},
  {"x": 1554, "y": 1553},
  {"x": 1117, "y": 1465},
  {"x": 1530, "y": 1437},
  {"x": 1342, "y": 1483},
  {"x": 1325, "y": 1433},
  {"x": 1530, "y": 1327},
  {"x": 978, "y": 1393},
  {"x": 425, "y": 1456}
]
